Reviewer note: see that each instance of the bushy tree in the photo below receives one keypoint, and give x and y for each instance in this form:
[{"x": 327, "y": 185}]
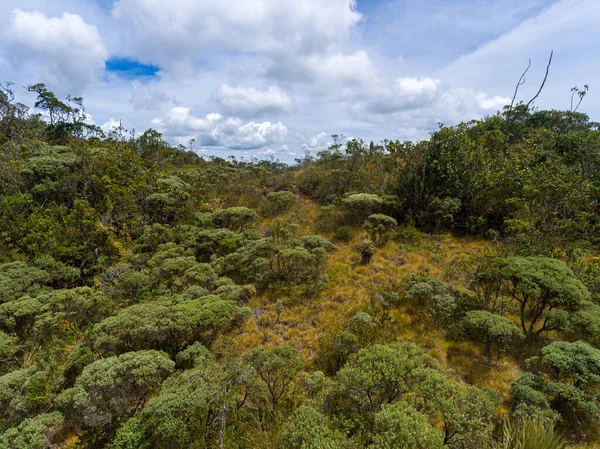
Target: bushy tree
[
  {"x": 19, "y": 278},
  {"x": 277, "y": 368},
  {"x": 567, "y": 378},
  {"x": 400, "y": 425},
  {"x": 360, "y": 205},
  {"x": 491, "y": 330},
  {"x": 281, "y": 201},
  {"x": 431, "y": 294},
  {"x": 235, "y": 218},
  {"x": 380, "y": 375},
  {"x": 380, "y": 227},
  {"x": 543, "y": 286},
  {"x": 40, "y": 432},
  {"x": 466, "y": 411},
  {"x": 111, "y": 390},
  {"x": 310, "y": 429}
]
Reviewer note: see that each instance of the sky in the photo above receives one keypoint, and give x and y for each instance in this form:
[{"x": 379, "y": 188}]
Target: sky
[{"x": 276, "y": 78}]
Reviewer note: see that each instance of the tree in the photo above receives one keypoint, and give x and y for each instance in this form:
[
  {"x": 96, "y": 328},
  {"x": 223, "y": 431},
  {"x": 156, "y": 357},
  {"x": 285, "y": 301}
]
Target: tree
[
  {"x": 13, "y": 115},
  {"x": 111, "y": 390},
  {"x": 66, "y": 118},
  {"x": 277, "y": 368},
  {"x": 169, "y": 203},
  {"x": 143, "y": 326},
  {"x": 442, "y": 212},
  {"x": 334, "y": 349},
  {"x": 487, "y": 281},
  {"x": 491, "y": 330},
  {"x": 466, "y": 411},
  {"x": 167, "y": 325},
  {"x": 40, "y": 432},
  {"x": 566, "y": 377},
  {"x": 542, "y": 285},
  {"x": 360, "y": 205},
  {"x": 281, "y": 201},
  {"x": 23, "y": 392},
  {"x": 380, "y": 227},
  {"x": 309, "y": 429},
  {"x": 235, "y": 218},
  {"x": 211, "y": 316},
  {"x": 399, "y": 425},
  {"x": 431, "y": 294},
  {"x": 19, "y": 278},
  {"x": 380, "y": 375},
  {"x": 194, "y": 408}
]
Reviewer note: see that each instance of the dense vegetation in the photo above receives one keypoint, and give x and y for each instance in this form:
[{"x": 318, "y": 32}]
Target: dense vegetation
[{"x": 439, "y": 294}]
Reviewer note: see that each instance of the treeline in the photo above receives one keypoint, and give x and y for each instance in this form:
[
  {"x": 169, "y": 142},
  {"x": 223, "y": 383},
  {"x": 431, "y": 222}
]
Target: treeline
[
  {"x": 531, "y": 182},
  {"x": 129, "y": 270}
]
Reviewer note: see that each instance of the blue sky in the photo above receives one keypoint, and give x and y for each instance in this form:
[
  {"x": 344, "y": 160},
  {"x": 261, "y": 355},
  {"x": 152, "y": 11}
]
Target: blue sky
[
  {"x": 130, "y": 68},
  {"x": 275, "y": 78}
]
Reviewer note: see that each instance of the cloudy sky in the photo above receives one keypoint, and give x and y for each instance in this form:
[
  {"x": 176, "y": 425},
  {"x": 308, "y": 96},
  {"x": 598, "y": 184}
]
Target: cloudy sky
[{"x": 278, "y": 77}]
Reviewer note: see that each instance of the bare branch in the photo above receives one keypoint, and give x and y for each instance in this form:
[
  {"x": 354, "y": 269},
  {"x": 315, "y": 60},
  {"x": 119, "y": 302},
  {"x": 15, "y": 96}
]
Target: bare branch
[
  {"x": 544, "y": 81},
  {"x": 520, "y": 83}
]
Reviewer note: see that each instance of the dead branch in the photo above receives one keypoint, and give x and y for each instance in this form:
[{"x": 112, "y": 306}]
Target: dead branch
[
  {"x": 520, "y": 83},
  {"x": 544, "y": 81}
]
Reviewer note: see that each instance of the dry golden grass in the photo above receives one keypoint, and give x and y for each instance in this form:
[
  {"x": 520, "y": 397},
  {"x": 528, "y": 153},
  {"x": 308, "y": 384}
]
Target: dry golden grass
[{"x": 350, "y": 291}]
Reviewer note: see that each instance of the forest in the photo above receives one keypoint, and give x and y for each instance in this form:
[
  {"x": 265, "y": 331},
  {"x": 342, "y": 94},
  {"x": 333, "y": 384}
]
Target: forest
[{"x": 425, "y": 295}]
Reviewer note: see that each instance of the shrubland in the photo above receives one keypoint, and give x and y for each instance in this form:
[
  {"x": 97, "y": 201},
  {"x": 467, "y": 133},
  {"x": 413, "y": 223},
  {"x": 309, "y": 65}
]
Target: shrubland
[{"x": 432, "y": 294}]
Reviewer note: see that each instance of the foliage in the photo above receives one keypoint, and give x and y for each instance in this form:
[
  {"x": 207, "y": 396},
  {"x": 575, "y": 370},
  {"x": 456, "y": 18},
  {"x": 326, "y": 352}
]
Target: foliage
[
  {"x": 380, "y": 228},
  {"x": 235, "y": 218},
  {"x": 437, "y": 299},
  {"x": 400, "y": 425},
  {"x": 116, "y": 247},
  {"x": 309, "y": 429},
  {"x": 490, "y": 329},
  {"x": 530, "y": 434},
  {"x": 112, "y": 389},
  {"x": 281, "y": 201},
  {"x": 40, "y": 432},
  {"x": 540, "y": 285},
  {"x": 277, "y": 368},
  {"x": 379, "y": 375},
  {"x": 566, "y": 377}
]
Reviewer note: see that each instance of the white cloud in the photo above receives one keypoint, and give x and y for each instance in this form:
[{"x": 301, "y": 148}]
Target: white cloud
[
  {"x": 110, "y": 125},
  {"x": 333, "y": 69},
  {"x": 214, "y": 130},
  {"x": 467, "y": 104},
  {"x": 144, "y": 97},
  {"x": 320, "y": 140},
  {"x": 413, "y": 88},
  {"x": 250, "y": 102},
  {"x": 317, "y": 63},
  {"x": 62, "y": 50},
  {"x": 189, "y": 28}
]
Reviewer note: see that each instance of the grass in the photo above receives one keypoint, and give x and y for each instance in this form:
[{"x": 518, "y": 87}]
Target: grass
[{"x": 350, "y": 290}]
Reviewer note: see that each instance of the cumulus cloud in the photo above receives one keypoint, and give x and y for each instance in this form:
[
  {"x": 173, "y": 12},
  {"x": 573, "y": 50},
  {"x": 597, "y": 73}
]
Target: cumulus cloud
[
  {"x": 190, "y": 27},
  {"x": 336, "y": 68},
  {"x": 466, "y": 103},
  {"x": 417, "y": 88},
  {"x": 64, "y": 50},
  {"x": 110, "y": 125},
  {"x": 214, "y": 130},
  {"x": 145, "y": 97},
  {"x": 320, "y": 140},
  {"x": 250, "y": 102}
]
